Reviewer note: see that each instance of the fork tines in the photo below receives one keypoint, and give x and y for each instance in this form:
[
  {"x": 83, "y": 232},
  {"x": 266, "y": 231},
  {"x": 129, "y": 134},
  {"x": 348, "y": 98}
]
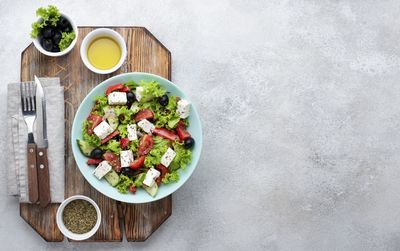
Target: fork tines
[{"x": 28, "y": 97}]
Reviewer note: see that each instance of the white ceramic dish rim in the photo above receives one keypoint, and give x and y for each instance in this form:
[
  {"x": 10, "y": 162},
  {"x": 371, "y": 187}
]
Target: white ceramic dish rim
[
  {"x": 103, "y": 32},
  {"x": 65, "y": 231},
  {"x": 61, "y": 53}
]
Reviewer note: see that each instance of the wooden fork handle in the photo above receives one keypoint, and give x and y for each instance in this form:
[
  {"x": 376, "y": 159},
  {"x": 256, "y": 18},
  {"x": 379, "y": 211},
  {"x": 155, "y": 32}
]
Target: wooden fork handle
[
  {"x": 32, "y": 173},
  {"x": 43, "y": 177}
]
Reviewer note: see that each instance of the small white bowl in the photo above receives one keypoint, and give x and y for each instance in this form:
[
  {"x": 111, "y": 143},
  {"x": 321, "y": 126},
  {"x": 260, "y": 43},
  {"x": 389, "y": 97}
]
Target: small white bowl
[
  {"x": 38, "y": 46},
  {"x": 63, "y": 228},
  {"x": 103, "y": 32}
]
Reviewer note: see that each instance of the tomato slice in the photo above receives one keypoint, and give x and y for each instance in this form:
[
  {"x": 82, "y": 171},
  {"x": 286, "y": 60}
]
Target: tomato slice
[
  {"x": 112, "y": 135},
  {"x": 124, "y": 142},
  {"x": 132, "y": 188},
  {"x": 182, "y": 133},
  {"x": 125, "y": 89},
  {"x": 144, "y": 114},
  {"x": 113, "y": 159},
  {"x": 93, "y": 161},
  {"x": 112, "y": 88},
  {"x": 181, "y": 130},
  {"x": 145, "y": 145},
  {"x": 158, "y": 181},
  {"x": 94, "y": 120},
  {"x": 181, "y": 123},
  {"x": 137, "y": 163},
  {"x": 165, "y": 133},
  {"x": 162, "y": 169}
]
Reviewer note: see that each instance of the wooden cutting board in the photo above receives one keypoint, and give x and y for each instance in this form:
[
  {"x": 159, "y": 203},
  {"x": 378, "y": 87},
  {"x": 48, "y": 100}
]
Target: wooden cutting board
[{"x": 145, "y": 54}]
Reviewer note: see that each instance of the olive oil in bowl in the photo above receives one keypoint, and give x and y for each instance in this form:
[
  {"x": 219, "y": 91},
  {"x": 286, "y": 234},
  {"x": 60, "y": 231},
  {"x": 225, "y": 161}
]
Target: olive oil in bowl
[{"x": 104, "y": 53}]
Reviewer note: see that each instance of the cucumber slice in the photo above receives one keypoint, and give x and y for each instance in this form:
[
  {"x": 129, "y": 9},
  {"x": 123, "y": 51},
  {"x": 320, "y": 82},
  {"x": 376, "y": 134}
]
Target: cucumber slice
[
  {"x": 139, "y": 180},
  {"x": 111, "y": 117},
  {"x": 151, "y": 190},
  {"x": 109, "y": 112},
  {"x": 112, "y": 177},
  {"x": 85, "y": 147},
  {"x": 135, "y": 107},
  {"x": 113, "y": 122}
]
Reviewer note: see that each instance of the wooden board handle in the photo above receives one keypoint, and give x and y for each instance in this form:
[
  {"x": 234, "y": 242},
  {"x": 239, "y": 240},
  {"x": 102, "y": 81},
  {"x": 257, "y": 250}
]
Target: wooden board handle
[
  {"x": 32, "y": 173},
  {"x": 43, "y": 177}
]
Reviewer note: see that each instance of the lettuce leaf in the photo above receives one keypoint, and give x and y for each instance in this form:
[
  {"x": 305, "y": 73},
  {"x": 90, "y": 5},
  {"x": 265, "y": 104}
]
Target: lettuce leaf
[
  {"x": 91, "y": 139},
  {"x": 112, "y": 145},
  {"x": 123, "y": 131},
  {"x": 171, "y": 177},
  {"x": 124, "y": 183},
  {"x": 124, "y": 114},
  {"x": 100, "y": 102},
  {"x": 166, "y": 116},
  {"x": 133, "y": 145},
  {"x": 183, "y": 157},
  {"x": 66, "y": 40},
  {"x": 151, "y": 89},
  {"x": 154, "y": 156},
  {"x": 131, "y": 84},
  {"x": 49, "y": 15}
]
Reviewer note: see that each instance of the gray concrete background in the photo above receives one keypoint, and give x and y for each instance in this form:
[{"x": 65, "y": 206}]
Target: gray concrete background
[{"x": 300, "y": 108}]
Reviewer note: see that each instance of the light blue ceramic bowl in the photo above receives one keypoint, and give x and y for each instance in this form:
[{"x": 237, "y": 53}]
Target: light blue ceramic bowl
[{"x": 102, "y": 186}]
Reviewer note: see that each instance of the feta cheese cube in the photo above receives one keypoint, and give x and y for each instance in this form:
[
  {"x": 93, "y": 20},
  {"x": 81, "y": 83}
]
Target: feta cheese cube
[
  {"x": 151, "y": 175},
  {"x": 102, "y": 169},
  {"x": 103, "y": 130},
  {"x": 138, "y": 93},
  {"x": 126, "y": 158},
  {"x": 154, "y": 173},
  {"x": 168, "y": 156},
  {"x": 117, "y": 98},
  {"x": 132, "y": 132},
  {"x": 146, "y": 125},
  {"x": 183, "y": 108},
  {"x": 148, "y": 181}
]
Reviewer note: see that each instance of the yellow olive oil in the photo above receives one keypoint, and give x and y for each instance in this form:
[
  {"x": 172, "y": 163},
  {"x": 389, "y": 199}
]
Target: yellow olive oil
[{"x": 104, "y": 53}]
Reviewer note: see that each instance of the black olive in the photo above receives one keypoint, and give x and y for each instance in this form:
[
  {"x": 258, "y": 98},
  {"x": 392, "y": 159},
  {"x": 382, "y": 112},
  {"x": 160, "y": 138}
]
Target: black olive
[
  {"x": 128, "y": 171},
  {"x": 68, "y": 28},
  {"x": 47, "y": 32},
  {"x": 130, "y": 97},
  {"x": 55, "y": 48},
  {"x": 164, "y": 100},
  {"x": 57, "y": 37},
  {"x": 96, "y": 153},
  {"x": 62, "y": 22},
  {"x": 189, "y": 142},
  {"x": 47, "y": 44}
]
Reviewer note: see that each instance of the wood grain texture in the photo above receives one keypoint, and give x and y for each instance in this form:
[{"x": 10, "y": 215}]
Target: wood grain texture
[
  {"x": 32, "y": 172},
  {"x": 43, "y": 177},
  {"x": 146, "y": 54}
]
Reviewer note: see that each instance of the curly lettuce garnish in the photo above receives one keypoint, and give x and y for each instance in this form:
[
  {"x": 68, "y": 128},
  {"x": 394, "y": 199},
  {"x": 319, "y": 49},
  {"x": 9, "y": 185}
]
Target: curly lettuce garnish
[
  {"x": 159, "y": 148},
  {"x": 111, "y": 145},
  {"x": 124, "y": 183},
  {"x": 66, "y": 40},
  {"x": 49, "y": 15}
]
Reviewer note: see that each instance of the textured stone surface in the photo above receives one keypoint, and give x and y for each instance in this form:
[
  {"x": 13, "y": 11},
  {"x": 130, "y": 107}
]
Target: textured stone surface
[{"x": 300, "y": 105}]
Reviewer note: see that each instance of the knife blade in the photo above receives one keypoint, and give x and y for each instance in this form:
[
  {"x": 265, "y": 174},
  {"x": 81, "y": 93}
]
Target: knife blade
[{"x": 42, "y": 145}]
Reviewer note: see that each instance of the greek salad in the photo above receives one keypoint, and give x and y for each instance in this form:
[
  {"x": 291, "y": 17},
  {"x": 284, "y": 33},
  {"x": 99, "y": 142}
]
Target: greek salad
[{"x": 136, "y": 136}]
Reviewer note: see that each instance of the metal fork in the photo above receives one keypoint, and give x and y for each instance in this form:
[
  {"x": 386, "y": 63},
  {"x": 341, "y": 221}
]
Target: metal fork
[{"x": 28, "y": 104}]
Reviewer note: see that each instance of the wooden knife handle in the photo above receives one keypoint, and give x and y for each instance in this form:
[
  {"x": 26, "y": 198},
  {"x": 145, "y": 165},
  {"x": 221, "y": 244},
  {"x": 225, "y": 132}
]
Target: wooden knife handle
[
  {"x": 43, "y": 177},
  {"x": 32, "y": 173}
]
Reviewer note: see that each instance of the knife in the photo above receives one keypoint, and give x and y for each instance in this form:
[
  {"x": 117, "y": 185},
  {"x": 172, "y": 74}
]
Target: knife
[{"x": 42, "y": 145}]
